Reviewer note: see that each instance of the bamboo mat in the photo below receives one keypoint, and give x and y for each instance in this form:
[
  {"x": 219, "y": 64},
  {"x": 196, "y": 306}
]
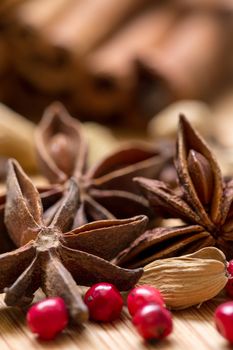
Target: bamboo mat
[{"x": 193, "y": 329}]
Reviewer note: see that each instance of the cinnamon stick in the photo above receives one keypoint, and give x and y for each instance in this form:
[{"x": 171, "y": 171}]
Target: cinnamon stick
[
  {"x": 8, "y": 5},
  {"x": 209, "y": 5},
  {"x": 91, "y": 23},
  {"x": 52, "y": 37},
  {"x": 189, "y": 64},
  {"x": 43, "y": 64},
  {"x": 111, "y": 69},
  {"x": 4, "y": 62},
  {"x": 116, "y": 56}
]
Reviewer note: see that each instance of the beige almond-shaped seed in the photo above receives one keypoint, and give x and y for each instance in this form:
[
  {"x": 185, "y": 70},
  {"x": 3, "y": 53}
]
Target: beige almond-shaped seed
[
  {"x": 209, "y": 253},
  {"x": 189, "y": 279}
]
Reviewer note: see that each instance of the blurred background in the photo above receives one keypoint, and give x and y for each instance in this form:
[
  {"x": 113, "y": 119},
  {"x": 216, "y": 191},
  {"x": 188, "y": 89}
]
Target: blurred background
[
  {"x": 124, "y": 63},
  {"x": 114, "y": 61}
]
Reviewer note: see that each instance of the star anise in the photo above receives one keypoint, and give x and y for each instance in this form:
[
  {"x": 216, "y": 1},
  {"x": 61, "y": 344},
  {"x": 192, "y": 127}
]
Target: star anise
[
  {"x": 54, "y": 258},
  {"x": 106, "y": 189},
  {"x": 49, "y": 196},
  {"x": 203, "y": 201},
  {"x": 5, "y": 242}
]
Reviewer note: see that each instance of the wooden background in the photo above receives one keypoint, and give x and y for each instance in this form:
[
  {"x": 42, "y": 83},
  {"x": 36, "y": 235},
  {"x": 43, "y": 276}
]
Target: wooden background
[{"x": 193, "y": 329}]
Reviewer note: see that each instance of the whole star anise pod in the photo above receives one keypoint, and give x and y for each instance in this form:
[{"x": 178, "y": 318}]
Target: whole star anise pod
[
  {"x": 203, "y": 201},
  {"x": 49, "y": 196},
  {"x": 54, "y": 258},
  {"x": 106, "y": 189}
]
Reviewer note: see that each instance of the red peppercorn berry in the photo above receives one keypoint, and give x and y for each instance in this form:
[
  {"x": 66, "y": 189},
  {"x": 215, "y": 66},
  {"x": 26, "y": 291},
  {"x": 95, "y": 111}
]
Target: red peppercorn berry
[
  {"x": 230, "y": 267},
  {"x": 153, "y": 321},
  {"x": 104, "y": 302},
  {"x": 224, "y": 320},
  {"x": 229, "y": 287},
  {"x": 48, "y": 317},
  {"x": 141, "y": 296}
]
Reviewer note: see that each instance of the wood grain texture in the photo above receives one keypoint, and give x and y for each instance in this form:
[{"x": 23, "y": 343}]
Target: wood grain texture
[{"x": 193, "y": 329}]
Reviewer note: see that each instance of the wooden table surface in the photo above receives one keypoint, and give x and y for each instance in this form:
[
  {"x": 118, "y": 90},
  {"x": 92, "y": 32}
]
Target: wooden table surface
[{"x": 193, "y": 330}]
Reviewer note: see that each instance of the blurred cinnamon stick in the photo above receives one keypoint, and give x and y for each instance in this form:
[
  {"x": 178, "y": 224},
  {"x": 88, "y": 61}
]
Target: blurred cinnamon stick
[
  {"x": 52, "y": 37},
  {"x": 209, "y": 5},
  {"x": 109, "y": 58},
  {"x": 189, "y": 64},
  {"x": 111, "y": 68},
  {"x": 5, "y": 7},
  {"x": 8, "y": 5},
  {"x": 44, "y": 65},
  {"x": 116, "y": 56},
  {"x": 4, "y": 61}
]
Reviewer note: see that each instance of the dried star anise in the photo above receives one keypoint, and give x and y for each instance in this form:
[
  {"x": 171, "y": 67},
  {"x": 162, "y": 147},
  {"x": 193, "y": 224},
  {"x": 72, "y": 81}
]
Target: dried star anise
[
  {"x": 106, "y": 189},
  {"x": 203, "y": 200},
  {"x": 49, "y": 195},
  {"x": 5, "y": 242},
  {"x": 54, "y": 258}
]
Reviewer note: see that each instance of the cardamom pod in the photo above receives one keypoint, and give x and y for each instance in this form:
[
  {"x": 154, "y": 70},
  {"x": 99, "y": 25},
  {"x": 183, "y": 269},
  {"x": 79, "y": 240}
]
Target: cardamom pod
[
  {"x": 102, "y": 136},
  {"x": 16, "y": 138},
  {"x": 189, "y": 279},
  {"x": 164, "y": 124}
]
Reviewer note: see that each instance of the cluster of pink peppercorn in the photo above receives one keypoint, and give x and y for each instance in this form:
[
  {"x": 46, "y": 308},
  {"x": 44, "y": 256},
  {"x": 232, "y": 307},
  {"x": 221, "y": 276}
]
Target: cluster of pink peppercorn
[
  {"x": 145, "y": 304},
  {"x": 150, "y": 317}
]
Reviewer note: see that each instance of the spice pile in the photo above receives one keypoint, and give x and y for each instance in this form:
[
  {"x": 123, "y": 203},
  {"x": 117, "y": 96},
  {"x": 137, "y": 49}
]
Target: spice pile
[
  {"x": 104, "y": 225},
  {"x": 117, "y": 61}
]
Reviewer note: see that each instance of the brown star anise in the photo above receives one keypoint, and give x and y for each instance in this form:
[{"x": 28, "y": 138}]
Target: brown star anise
[
  {"x": 5, "y": 242},
  {"x": 106, "y": 189},
  {"x": 54, "y": 258},
  {"x": 49, "y": 196},
  {"x": 203, "y": 201}
]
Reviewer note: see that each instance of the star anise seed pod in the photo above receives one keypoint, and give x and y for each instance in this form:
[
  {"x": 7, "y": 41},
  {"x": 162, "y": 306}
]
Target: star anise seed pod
[
  {"x": 106, "y": 189},
  {"x": 49, "y": 196},
  {"x": 204, "y": 201},
  {"x": 54, "y": 258}
]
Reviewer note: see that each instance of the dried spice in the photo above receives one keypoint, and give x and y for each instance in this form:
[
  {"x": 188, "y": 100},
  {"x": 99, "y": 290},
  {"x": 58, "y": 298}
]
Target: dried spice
[
  {"x": 63, "y": 34},
  {"x": 70, "y": 50},
  {"x": 164, "y": 124},
  {"x": 54, "y": 258},
  {"x": 16, "y": 138},
  {"x": 5, "y": 242},
  {"x": 116, "y": 73},
  {"x": 203, "y": 201},
  {"x": 178, "y": 69},
  {"x": 188, "y": 280},
  {"x": 106, "y": 189},
  {"x": 48, "y": 194}
]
